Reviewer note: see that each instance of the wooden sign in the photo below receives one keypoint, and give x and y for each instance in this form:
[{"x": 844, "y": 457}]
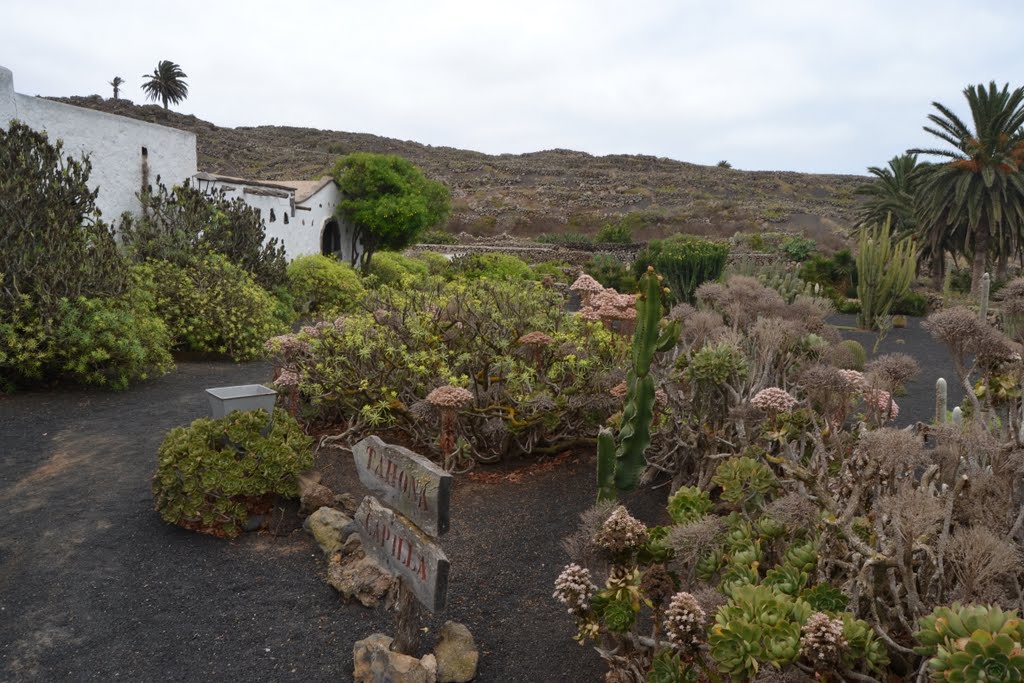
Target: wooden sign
[
  {"x": 404, "y": 550},
  {"x": 407, "y": 482}
]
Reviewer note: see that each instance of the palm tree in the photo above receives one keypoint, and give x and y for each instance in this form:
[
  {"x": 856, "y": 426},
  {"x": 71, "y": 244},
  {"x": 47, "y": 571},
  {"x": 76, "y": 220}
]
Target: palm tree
[
  {"x": 116, "y": 84},
  {"x": 166, "y": 83},
  {"x": 978, "y": 194}
]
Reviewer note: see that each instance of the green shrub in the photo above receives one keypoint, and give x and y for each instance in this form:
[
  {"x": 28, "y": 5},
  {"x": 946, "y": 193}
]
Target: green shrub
[
  {"x": 620, "y": 232},
  {"x": 212, "y": 306},
  {"x": 110, "y": 342},
  {"x": 213, "y": 474},
  {"x": 684, "y": 261},
  {"x": 844, "y": 305},
  {"x": 438, "y": 237},
  {"x": 558, "y": 270},
  {"x": 323, "y": 284},
  {"x": 610, "y": 272},
  {"x": 393, "y": 269},
  {"x": 183, "y": 224},
  {"x": 798, "y": 248},
  {"x": 53, "y": 243},
  {"x": 437, "y": 264},
  {"x": 911, "y": 303},
  {"x": 494, "y": 267},
  {"x": 104, "y": 342},
  {"x": 566, "y": 238}
]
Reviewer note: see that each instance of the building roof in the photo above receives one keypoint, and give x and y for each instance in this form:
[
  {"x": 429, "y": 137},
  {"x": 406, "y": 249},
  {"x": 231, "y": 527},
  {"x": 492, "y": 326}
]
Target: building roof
[{"x": 303, "y": 189}]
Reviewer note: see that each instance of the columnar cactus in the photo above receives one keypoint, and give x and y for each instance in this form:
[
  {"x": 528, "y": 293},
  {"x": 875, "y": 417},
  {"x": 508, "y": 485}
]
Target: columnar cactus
[
  {"x": 885, "y": 272},
  {"x": 940, "y": 400},
  {"x": 958, "y": 416},
  {"x": 619, "y": 467}
]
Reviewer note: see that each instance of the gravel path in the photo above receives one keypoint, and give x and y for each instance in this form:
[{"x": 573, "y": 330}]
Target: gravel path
[{"x": 95, "y": 587}]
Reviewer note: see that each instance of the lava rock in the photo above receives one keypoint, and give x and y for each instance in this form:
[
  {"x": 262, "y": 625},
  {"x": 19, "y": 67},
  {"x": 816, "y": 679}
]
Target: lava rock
[{"x": 456, "y": 653}]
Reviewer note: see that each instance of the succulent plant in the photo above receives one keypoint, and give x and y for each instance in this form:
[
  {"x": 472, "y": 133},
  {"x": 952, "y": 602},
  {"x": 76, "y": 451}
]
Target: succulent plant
[
  {"x": 787, "y": 579},
  {"x": 825, "y": 598},
  {"x": 574, "y": 589},
  {"x": 621, "y": 533},
  {"x": 689, "y": 504},
  {"x": 802, "y": 556},
  {"x": 745, "y": 481},
  {"x": 736, "y": 648},
  {"x": 684, "y": 622},
  {"x": 710, "y": 564},
  {"x": 972, "y": 643},
  {"x": 618, "y": 616},
  {"x": 864, "y": 647},
  {"x": 822, "y": 642}
]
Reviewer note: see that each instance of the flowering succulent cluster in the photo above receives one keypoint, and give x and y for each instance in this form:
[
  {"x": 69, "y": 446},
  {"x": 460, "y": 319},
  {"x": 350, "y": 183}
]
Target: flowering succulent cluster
[
  {"x": 684, "y": 622},
  {"x": 287, "y": 345},
  {"x": 855, "y": 379},
  {"x": 880, "y": 401},
  {"x": 822, "y": 641},
  {"x": 621, "y": 532},
  {"x": 288, "y": 378},
  {"x": 574, "y": 588},
  {"x": 774, "y": 400}
]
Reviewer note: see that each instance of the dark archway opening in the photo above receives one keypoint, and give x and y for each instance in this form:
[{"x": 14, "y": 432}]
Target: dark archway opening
[{"x": 330, "y": 239}]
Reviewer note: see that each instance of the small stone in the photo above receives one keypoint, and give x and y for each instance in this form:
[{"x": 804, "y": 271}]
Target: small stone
[
  {"x": 456, "y": 653},
  {"x": 374, "y": 662},
  {"x": 347, "y": 502},
  {"x": 359, "y": 577},
  {"x": 315, "y": 496},
  {"x": 329, "y": 527}
]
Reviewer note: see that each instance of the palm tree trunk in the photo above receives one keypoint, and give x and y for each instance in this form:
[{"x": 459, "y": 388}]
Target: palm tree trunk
[
  {"x": 938, "y": 268},
  {"x": 980, "y": 256},
  {"x": 1002, "y": 266}
]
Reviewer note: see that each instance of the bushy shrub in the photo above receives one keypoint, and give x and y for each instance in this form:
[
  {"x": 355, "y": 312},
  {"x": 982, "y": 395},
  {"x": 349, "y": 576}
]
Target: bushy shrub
[
  {"x": 684, "y": 261},
  {"x": 106, "y": 342},
  {"x": 610, "y": 272},
  {"x": 838, "y": 272},
  {"x": 212, "y": 306},
  {"x": 53, "y": 243},
  {"x": 911, "y": 303},
  {"x": 438, "y": 237},
  {"x": 182, "y": 224},
  {"x": 620, "y": 232},
  {"x": 322, "y": 284},
  {"x": 798, "y": 248},
  {"x": 494, "y": 267},
  {"x": 393, "y": 269},
  {"x": 213, "y": 474},
  {"x": 566, "y": 238},
  {"x": 559, "y": 271},
  {"x": 375, "y": 369},
  {"x": 437, "y": 264},
  {"x": 111, "y": 342}
]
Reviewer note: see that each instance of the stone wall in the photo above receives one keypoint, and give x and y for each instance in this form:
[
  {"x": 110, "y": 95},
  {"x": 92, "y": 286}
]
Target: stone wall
[{"x": 123, "y": 151}]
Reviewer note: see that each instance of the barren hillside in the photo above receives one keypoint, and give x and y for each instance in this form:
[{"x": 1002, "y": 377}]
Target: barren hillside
[{"x": 549, "y": 191}]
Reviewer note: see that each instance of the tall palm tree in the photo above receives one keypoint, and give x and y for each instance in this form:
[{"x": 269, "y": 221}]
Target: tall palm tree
[
  {"x": 978, "y": 194},
  {"x": 116, "y": 84},
  {"x": 166, "y": 83},
  {"x": 892, "y": 190}
]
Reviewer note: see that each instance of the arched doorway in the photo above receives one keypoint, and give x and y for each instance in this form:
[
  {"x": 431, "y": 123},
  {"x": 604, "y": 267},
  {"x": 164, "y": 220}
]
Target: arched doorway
[{"x": 330, "y": 238}]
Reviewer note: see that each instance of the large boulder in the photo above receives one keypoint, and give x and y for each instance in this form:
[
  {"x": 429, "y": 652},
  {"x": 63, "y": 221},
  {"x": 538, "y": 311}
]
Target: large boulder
[
  {"x": 330, "y": 528},
  {"x": 376, "y": 663},
  {"x": 456, "y": 654}
]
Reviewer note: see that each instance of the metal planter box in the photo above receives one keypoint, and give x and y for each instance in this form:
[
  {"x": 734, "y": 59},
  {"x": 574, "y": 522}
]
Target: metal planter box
[{"x": 224, "y": 400}]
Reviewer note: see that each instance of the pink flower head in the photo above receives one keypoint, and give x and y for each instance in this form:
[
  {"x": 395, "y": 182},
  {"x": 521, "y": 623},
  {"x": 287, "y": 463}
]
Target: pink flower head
[{"x": 773, "y": 400}]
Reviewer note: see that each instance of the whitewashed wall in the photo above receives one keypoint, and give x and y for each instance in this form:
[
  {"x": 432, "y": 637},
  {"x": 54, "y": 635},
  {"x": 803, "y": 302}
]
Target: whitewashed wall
[
  {"x": 302, "y": 232},
  {"x": 114, "y": 145}
]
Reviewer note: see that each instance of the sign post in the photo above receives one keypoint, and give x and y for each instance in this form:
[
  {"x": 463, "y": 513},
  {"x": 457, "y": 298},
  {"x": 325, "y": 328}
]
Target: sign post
[{"x": 402, "y": 537}]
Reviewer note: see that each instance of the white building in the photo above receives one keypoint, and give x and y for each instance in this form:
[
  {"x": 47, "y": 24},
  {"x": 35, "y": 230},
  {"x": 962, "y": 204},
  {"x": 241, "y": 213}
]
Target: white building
[
  {"x": 300, "y": 213},
  {"x": 125, "y": 153}
]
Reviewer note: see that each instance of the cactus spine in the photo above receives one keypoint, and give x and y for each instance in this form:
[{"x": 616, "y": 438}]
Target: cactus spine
[
  {"x": 986, "y": 285},
  {"x": 885, "y": 272},
  {"x": 940, "y": 401},
  {"x": 619, "y": 466}
]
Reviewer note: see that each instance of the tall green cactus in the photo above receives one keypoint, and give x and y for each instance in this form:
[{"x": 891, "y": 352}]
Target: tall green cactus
[
  {"x": 619, "y": 466},
  {"x": 885, "y": 272}
]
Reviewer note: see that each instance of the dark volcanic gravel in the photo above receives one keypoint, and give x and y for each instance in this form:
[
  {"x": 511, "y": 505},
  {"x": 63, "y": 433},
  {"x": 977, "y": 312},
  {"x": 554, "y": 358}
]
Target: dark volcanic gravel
[{"x": 94, "y": 586}]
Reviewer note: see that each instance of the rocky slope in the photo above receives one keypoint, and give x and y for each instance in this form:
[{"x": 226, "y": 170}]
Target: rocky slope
[{"x": 549, "y": 191}]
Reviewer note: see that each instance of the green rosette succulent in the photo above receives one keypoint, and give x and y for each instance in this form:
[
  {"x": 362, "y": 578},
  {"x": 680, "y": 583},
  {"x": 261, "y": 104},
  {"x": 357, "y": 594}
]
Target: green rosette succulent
[
  {"x": 825, "y": 598},
  {"x": 737, "y": 576},
  {"x": 736, "y": 648},
  {"x": 975, "y": 643},
  {"x": 710, "y": 564},
  {"x": 745, "y": 481},
  {"x": 787, "y": 579},
  {"x": 747, "y": 555},
  {"x": 863, "y": 645},
  {"x": 770, "y": 528},
  {"x": 689, "y": 504},
  {"x": 782, "y": 643},
  {"x": 802, "y": 556},
  {"x": 618, "y": 616}
]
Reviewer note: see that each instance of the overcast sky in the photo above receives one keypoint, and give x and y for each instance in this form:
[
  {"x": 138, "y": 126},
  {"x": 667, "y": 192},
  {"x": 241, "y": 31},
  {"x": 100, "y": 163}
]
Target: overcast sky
[{"x": 803, "y": 85}]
